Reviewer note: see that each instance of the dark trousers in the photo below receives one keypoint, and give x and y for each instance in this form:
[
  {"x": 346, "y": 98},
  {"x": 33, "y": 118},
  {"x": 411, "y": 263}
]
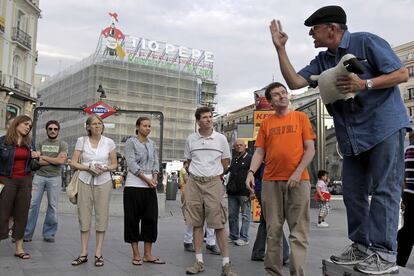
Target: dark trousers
[
  {"x": 259, "y": 246},
  {"x": 140, "y": 214},
  {"x": 405, "y": 236},
  {"x": 15, "y": 202}
]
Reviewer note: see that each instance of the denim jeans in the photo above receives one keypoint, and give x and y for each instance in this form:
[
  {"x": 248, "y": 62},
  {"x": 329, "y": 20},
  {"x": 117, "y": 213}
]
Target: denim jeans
[
  {"x": 379, "y": 170},
  {"x": 52, "y": 186},
  {"x": 235, "y": 204}
]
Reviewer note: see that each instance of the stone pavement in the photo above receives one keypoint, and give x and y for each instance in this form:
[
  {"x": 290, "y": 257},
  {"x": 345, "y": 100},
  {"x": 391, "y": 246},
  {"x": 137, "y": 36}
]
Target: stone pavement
[{"x": 55, "y": 258}]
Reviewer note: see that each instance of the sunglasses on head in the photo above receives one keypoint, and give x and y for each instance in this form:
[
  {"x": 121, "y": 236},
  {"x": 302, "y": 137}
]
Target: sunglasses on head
[{"x": 52, "y": 129}]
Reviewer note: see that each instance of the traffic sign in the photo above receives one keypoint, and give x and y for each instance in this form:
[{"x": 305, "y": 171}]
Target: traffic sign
[{"x": 101, "y": 109}]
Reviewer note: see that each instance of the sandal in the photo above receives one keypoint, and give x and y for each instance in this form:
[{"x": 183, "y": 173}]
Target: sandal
[
  {"x": 99, "y": 261},
  {"x": 80, "y": 260},
  {"x": 137, "y": 261},
  {"x": 155, "y": 261},
  {"x": 23, "y": 255}
]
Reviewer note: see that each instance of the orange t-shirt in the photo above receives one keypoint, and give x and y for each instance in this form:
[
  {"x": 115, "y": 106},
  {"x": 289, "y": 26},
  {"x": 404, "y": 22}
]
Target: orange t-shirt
[{"x": 282, "y": 138}]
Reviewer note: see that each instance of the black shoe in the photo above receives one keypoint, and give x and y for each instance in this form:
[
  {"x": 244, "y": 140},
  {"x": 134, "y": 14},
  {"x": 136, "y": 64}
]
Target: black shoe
[
  {"x": 213, "y": 249},
  {"x": 258, "y": 259},
  {"x": 189, "y": 247},
  {"x": 49, "y": 239}
]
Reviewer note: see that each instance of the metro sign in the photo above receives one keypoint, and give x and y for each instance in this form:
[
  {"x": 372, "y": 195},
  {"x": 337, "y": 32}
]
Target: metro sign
[{"x": 101, "y": 109}]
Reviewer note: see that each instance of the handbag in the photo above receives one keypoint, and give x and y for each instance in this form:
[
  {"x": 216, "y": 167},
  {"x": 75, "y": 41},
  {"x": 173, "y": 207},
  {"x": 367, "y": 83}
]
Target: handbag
[
  {"x": 326, "y": 196},
  {"x": 34, "y": 164},
  {"x": 72, "y": 188}
]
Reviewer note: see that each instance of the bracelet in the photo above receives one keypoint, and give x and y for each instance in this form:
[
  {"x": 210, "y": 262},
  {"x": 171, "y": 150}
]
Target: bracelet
[{"x": 252, "y": 171}]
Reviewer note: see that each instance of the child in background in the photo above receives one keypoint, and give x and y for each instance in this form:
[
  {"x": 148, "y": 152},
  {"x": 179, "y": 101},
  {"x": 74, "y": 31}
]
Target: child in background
[{"x": 323, "y": 196}]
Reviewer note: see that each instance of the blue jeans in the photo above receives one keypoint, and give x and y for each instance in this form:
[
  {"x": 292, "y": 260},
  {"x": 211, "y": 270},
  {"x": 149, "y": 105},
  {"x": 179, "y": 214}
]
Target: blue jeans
[
  {"x": 380, "y": 170},
  {"x": 52, "y": 187},
  {"x": 235, "y": 204}
]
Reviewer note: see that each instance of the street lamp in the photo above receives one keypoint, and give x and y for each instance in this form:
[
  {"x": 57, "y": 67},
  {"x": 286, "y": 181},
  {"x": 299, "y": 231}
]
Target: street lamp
[{"x": 102, "y": 91}]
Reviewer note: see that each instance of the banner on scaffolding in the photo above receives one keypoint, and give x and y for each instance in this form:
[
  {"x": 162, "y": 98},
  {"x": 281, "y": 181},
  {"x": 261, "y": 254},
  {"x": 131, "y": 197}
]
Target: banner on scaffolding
[{"x": 114, "y": 44}]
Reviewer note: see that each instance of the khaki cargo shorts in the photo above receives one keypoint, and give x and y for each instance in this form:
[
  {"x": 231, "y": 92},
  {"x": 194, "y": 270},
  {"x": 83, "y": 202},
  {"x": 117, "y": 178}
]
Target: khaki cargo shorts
[{"x": 204, "y": 202}]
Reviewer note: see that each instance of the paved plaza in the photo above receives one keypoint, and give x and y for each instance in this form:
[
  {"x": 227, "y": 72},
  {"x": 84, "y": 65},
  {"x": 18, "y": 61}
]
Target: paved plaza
[{"x": 55, "y": 258}]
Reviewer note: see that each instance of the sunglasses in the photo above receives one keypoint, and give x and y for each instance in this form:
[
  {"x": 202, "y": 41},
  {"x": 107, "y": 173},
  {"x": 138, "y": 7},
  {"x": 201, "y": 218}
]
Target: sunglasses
[{"x": 52, "y": 129}]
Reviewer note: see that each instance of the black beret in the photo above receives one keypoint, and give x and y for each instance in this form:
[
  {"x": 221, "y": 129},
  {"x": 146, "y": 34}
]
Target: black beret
[{"x": 328, "y": 14}]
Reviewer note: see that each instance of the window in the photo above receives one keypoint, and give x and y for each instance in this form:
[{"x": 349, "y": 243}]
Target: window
[
  {"x": 16, "y": 65},
  {"x": 410, "y": 71},
  {"x": 21, "y": 21},
  {"x": 410, "y": 93}
]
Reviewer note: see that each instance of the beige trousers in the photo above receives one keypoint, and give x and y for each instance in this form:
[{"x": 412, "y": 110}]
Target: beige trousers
[
  {"x": 281, "y": 204},
  {"x": 90, "y": 198}
]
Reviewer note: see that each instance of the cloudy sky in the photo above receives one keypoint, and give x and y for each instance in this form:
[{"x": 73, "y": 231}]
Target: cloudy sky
[{"x": 236, "y": 31}]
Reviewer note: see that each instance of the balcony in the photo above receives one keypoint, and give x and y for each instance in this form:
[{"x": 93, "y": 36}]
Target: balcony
[
  {"x": 22, "y": 86},
  {"x": 22, "y": 38},
  {"x": 16, "y": 84}
]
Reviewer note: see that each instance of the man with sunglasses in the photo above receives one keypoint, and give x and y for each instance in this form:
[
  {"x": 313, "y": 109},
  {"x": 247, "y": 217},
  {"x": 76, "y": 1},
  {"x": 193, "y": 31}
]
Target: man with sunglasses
[
  {"x": 47, "y": 178},
  {"x": 370, "y": 130}
]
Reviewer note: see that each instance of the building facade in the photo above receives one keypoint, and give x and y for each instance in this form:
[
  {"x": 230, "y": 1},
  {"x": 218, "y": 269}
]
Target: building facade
[
  {"x": 18, "y": 57},
  {"x": 140, "y": 75},
  {"x": 406, "y": 54}
]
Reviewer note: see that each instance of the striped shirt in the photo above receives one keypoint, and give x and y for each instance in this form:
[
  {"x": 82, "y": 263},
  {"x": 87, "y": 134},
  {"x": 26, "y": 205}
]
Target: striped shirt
[
  {"x": 206, "y": 153},
  {"x": 409, "y": 169}
]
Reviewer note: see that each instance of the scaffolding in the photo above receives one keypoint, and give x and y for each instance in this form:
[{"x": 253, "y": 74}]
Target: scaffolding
[{"x": 132, "y": 85}]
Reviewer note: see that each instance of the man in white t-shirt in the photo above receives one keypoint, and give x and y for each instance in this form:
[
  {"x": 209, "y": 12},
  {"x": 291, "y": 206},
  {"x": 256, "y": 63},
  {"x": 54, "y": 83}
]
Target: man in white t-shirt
[{"x": 208, "y": 154}]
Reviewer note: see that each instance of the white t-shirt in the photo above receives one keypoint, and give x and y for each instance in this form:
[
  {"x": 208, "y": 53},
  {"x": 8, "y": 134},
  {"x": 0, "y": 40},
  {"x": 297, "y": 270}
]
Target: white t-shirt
[
  {"x": 206, "y": 153},
  {"x": 135, "y": 181},
  {"x": 99, "y": 155},
  {"x": 322, "y": 185}
]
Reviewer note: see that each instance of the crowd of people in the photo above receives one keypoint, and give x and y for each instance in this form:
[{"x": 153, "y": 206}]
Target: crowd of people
[{"x": 370, "y": 129}]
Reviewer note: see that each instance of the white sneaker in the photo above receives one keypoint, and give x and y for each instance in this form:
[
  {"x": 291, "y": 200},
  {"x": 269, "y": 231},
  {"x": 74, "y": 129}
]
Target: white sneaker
[
  {"x": 323, "y": 224},
  {"x": 241, "y": 242}
]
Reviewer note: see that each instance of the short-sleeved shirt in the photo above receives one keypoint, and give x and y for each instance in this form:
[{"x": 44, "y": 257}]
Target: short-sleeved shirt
[
  {"x": 322, "y": 185},
  {"x": 282, "y": 138},
  {"x": 206, "y": 153},
  {"x": 51, "y": 148},
  {"x": 375, "y": 114},
  {"x": 99, "y": 155}
]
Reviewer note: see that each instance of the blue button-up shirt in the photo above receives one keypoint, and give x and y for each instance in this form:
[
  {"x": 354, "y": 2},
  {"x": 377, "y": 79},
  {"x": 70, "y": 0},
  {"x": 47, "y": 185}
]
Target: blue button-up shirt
[{"x": 375, "y": 114}]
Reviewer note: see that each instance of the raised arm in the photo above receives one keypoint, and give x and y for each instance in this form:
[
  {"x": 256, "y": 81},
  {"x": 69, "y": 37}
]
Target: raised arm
[{"x": 279, "y": 38}]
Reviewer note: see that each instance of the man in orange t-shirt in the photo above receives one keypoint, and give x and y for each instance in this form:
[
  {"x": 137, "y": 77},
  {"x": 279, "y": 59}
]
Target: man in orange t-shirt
[{"x": 286, "y": 143}]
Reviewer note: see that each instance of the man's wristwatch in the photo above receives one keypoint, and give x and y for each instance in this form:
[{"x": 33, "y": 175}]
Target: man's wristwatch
[{"x": 369, "y": 84}]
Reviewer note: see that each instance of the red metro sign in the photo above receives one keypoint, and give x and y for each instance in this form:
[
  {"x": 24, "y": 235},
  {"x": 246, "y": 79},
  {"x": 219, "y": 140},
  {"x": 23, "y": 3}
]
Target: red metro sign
[{"x": 101, "y": 109}]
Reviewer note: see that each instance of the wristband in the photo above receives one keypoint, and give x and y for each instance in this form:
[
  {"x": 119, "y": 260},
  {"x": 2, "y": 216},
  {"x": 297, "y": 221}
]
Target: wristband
[{"x": 252, "y": 171}]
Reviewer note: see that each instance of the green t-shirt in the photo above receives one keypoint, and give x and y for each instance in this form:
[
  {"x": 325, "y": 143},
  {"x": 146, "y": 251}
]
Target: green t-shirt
[{"x": 51, "y": 148}]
